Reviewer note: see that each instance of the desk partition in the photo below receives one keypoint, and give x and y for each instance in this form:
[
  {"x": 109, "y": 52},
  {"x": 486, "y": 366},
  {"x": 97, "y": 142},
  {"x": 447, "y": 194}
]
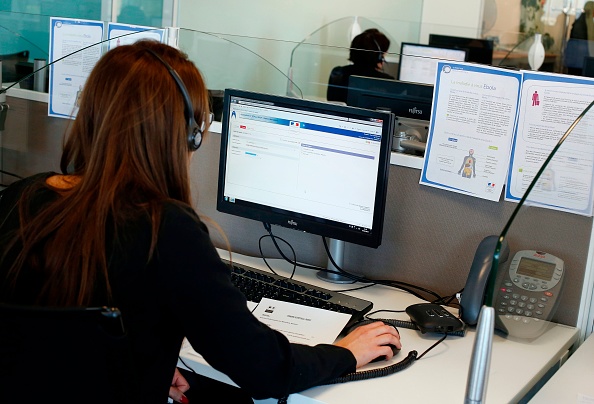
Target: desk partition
[{"x": 430, "y": 235}]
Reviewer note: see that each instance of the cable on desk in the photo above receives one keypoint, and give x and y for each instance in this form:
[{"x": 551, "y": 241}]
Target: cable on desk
[
  {"x": 371, "y": 374},
  {"x": 395, "y": 284},
  {"x": 412, "y": 326},
  {"x": 388, "y": 370},
  {"x": 278, "y": 248}
]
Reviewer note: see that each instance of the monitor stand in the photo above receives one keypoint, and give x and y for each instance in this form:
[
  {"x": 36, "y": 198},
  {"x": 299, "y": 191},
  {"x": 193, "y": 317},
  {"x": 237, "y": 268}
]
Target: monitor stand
[{"x": 336, "y": 248}]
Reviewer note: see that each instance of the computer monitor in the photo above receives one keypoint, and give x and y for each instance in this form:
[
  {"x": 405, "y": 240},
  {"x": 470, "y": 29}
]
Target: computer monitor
[
  {"x": 418, "y": 63},
  {"x": 404, "y": 99},
  {"x": 479, "y": 50},
  {"x": 311, "y": 166}
]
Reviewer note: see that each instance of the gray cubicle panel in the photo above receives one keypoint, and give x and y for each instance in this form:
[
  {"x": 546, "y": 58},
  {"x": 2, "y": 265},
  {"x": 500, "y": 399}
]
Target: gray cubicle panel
[
  {"x": 429, "y": 234},
  {"x": 429, "y": 238}
]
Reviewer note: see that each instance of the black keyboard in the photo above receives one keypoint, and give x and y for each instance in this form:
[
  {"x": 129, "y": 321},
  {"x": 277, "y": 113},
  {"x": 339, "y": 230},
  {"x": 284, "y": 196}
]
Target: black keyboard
[{"x": 256, "y": 284}]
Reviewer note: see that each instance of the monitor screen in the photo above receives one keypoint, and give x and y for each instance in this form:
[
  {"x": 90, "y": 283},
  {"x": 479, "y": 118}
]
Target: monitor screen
[
  {"x": 479, "y": 50},
  {"x": 311, "y": 166},
  {"x": 418, "y": 63},
  {"x": 404, "y": 99}
]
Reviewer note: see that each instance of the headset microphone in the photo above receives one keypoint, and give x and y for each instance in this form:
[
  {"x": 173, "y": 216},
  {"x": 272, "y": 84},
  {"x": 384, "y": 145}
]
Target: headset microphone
[{"x": 194, "y": 130}]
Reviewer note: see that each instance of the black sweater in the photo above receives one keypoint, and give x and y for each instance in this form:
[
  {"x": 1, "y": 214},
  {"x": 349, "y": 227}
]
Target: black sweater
[{"x": 186, "y": 290}]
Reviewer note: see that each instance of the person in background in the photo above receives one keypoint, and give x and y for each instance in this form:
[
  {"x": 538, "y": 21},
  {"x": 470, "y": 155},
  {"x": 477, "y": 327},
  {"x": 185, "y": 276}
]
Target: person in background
[
  {"x": 116, "y": 228},
  {"x": 367, "y": 56},
  {"x": 581, "y": 40}
]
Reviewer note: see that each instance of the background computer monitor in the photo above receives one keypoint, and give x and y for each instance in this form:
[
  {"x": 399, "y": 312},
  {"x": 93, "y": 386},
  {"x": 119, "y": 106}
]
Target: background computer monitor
[
  {"x": 404, "y": 99},
  {"x": 479, "y": 50},
  {"x": 418, "y": 63},
  {"x": 311, "y": 166}
]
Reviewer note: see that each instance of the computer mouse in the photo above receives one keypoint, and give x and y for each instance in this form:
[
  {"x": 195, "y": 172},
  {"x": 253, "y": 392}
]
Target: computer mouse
[
  {"x": 395, "y": 350},
  {"x": 381, "y": 358}
]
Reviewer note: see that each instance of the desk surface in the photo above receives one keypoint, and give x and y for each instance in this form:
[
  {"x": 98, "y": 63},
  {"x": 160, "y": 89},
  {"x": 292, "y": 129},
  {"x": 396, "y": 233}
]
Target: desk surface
[
  {"x": 573, "y": 383},
  {"x": 440, "y": 375}
]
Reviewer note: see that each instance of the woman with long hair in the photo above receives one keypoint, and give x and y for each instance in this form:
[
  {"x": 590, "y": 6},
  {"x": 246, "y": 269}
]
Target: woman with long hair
[{"x": 116, "y": 227}]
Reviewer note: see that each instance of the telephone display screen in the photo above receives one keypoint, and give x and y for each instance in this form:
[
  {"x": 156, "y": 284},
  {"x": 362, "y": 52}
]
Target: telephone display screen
[{"x": 536, "y": 269}]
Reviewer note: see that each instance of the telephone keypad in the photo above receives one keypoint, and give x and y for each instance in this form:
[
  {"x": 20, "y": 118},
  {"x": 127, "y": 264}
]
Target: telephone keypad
[
  {"x": 520, "y": 307},
  {"x": 528, "y": 294}
]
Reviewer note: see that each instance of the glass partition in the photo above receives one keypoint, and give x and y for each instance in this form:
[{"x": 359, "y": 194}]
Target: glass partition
[
  {"x": 313, "y": 58},
  {"x": 24, "y": 24},
  {"x": 230, "y": 62},
  {"x": 31, "y": 141}
]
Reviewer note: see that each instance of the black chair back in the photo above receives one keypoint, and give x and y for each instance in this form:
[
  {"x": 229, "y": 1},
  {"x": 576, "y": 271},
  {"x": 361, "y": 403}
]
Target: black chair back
[{"x": 66, "y": 355}]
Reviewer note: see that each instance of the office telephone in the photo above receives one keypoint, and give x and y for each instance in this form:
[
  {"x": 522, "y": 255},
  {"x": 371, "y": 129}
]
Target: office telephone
[{"x": 527, "y": 292}]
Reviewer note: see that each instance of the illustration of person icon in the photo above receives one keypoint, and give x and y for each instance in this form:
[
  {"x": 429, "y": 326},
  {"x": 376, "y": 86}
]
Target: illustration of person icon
[
  {"x": 535, "y": 99},
  {"x": 468, "y": 165}
]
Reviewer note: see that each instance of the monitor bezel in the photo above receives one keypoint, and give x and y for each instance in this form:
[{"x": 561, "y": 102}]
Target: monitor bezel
[
  {"x": 381, "y": 89},
  {"x": 404, "y": 44},
  {"x": 476, "y": 54},
  {"x": 296, "y": 220}
]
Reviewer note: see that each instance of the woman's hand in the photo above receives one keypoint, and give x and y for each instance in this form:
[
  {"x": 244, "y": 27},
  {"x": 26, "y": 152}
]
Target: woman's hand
[
  {"x": 179, "y": 386},
  {"x": 370, "y": 341}
]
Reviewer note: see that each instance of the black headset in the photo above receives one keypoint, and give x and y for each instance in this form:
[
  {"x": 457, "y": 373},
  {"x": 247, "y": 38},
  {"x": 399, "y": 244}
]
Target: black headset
[
  {"x": 381, "y": 52},
  {"x": 194, "y": 130}
]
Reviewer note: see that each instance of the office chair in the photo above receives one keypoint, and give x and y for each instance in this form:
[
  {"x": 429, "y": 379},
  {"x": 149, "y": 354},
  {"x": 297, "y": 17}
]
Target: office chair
[{"x": 65, "y": 355}]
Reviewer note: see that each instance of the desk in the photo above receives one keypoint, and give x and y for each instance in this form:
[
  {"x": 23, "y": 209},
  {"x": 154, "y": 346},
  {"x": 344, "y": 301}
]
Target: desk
[
  {"x": 575, "y": 378},
  {"x": 440, "y": 376}
]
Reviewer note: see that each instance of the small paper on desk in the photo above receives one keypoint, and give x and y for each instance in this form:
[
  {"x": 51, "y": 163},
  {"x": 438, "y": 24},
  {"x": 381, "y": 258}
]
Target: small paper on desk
[{"x": 301, "y": 324}]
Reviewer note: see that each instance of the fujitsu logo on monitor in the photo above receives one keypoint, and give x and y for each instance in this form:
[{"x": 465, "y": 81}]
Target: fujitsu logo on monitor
[
  {"x": 415, "y": 111},
  {"x": 292, "y": 223}
]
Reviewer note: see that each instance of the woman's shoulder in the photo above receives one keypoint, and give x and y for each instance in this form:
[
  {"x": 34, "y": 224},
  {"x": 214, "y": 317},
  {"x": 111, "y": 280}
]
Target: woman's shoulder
[
  {"x": 178, "y": 215},
  {"x": 16, "y": 189},
  {"x": 27, "y": 181}
]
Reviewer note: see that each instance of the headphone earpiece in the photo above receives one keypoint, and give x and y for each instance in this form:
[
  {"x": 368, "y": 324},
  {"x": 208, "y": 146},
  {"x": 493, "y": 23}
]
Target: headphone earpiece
[
  {"x": 194, "y": 130},
  {"x": 381, "y": 52}
]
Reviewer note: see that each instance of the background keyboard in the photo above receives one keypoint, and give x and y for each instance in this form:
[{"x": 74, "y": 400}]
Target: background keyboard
[{"x": 256, "y": 284}]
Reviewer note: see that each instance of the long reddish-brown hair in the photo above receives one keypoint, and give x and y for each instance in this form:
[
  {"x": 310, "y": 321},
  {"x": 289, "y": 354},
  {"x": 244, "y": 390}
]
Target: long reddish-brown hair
[{"x": 128, "y": 145}]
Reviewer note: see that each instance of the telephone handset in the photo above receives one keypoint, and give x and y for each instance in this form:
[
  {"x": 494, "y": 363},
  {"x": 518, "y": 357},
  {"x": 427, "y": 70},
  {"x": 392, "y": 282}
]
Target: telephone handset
[
  {"x": 473, "y": 296},
  {"x": 527, "y": 291}
]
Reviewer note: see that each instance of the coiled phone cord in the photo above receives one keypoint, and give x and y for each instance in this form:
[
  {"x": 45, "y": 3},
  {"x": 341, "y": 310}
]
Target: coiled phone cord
[
  {"x": 385, "y": 371},
  {"x": 403, "y": 364}
]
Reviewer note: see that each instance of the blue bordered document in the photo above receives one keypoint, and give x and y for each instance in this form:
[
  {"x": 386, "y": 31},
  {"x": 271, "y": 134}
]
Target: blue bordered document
[
  {"x": 472, "y": 124},
  {"x": 125, "y": 34},
  {"x": 75, "y": 42},
  {"x": 76, "y": 46},
  {"x": 550, "y": 103}
]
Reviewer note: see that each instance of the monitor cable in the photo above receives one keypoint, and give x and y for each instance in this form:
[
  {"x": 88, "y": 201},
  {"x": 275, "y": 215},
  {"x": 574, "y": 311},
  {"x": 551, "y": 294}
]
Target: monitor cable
[{"x": 410, "y": 288}]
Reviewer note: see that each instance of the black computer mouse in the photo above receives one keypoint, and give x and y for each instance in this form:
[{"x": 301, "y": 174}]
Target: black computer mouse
[
  {"x": 359, "y": 324},
  {"x": 382, "y": 358}
]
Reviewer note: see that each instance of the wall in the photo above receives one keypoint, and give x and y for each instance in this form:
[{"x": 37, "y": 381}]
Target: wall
[
  {"x": 273, "y": 28},
  {"x": 460, "y": 18}
]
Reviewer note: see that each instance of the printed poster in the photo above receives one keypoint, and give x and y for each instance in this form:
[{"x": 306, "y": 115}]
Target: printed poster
[
  {"x": 74, "y": 50},
  {"x": 550, "y": 103},
  {"x": 471, "y": 129}
]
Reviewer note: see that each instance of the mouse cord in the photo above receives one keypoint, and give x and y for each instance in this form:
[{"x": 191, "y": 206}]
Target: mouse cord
[
  {"x": 388, "y": 370},
  {"x": 407, "y": 324}
]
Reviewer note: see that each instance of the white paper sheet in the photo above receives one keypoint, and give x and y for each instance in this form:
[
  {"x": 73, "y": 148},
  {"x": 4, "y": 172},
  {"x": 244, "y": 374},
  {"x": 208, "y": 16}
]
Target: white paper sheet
[
  {"x": 67, "y": 77},
  {"x": 549, "y": 104},
  {"x": 472, "y": 123},
  {"x": 301, "y": 324}
]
